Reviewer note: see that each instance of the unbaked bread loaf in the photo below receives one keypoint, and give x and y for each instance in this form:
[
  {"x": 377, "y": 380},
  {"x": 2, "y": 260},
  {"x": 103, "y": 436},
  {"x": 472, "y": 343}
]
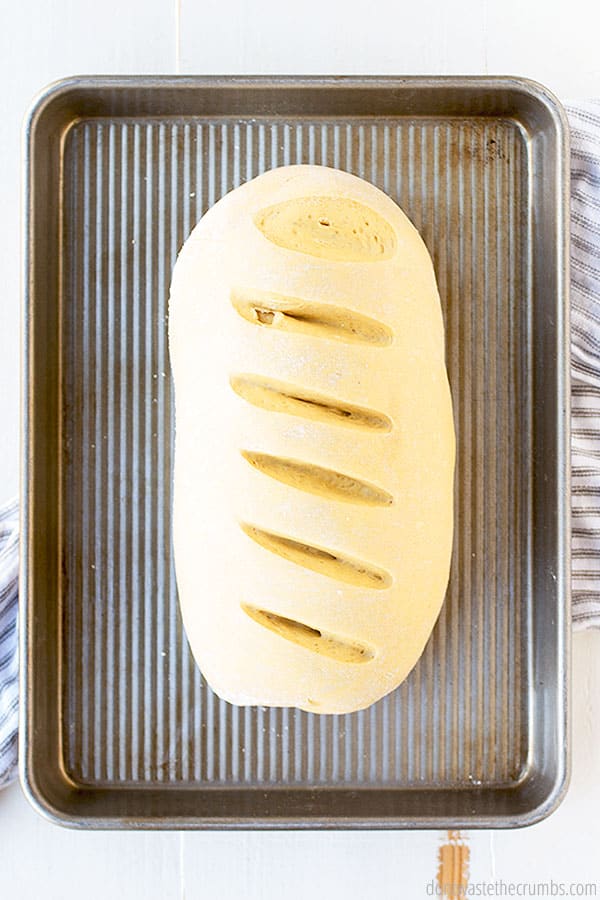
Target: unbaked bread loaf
[{"x": 314, "y": 442}]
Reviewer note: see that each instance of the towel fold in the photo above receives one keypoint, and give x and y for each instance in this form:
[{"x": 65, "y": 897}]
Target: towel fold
[
  {"x": 584, "y": 119},
  {"x": 9, "y": 685}
]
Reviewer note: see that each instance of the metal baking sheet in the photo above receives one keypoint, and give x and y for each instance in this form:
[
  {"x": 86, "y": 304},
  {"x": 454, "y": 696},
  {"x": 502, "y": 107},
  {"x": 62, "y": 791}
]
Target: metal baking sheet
[{"x": 119, "y": 729}]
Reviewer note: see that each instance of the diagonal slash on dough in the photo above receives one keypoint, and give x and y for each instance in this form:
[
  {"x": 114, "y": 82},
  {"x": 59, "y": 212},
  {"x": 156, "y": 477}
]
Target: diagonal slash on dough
[{"x": 453, "y": 867}]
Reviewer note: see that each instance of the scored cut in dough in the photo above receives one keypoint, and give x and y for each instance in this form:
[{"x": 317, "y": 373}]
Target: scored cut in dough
[{"x": 314, "y": 453}]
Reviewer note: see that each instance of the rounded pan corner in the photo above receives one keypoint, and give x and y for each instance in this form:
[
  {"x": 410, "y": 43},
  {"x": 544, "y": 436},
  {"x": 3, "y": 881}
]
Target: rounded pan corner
[
  {"x": 53, "y": 809},
  {"x": 547, "y": 804},
  {"x": 43, "y": 101},
  {"x": 537, "y": 93}
]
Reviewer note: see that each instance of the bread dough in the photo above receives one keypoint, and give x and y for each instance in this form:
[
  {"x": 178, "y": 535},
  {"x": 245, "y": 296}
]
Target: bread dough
[{"x": 315, "y": 444}]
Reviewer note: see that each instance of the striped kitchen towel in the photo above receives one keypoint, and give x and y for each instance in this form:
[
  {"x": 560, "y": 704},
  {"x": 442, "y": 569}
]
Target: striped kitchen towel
[
  {"x": 584, "y": 119},
  {"x": 9, "y": 687}
]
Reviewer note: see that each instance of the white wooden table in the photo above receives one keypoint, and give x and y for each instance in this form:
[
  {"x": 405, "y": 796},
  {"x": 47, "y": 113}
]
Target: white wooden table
[{"x": 41, "y": 40}]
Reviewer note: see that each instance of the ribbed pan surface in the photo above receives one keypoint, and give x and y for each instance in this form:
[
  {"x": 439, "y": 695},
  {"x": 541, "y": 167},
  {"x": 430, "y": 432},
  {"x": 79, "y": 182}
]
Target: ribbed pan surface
[{"x": 135, "y": 708}]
